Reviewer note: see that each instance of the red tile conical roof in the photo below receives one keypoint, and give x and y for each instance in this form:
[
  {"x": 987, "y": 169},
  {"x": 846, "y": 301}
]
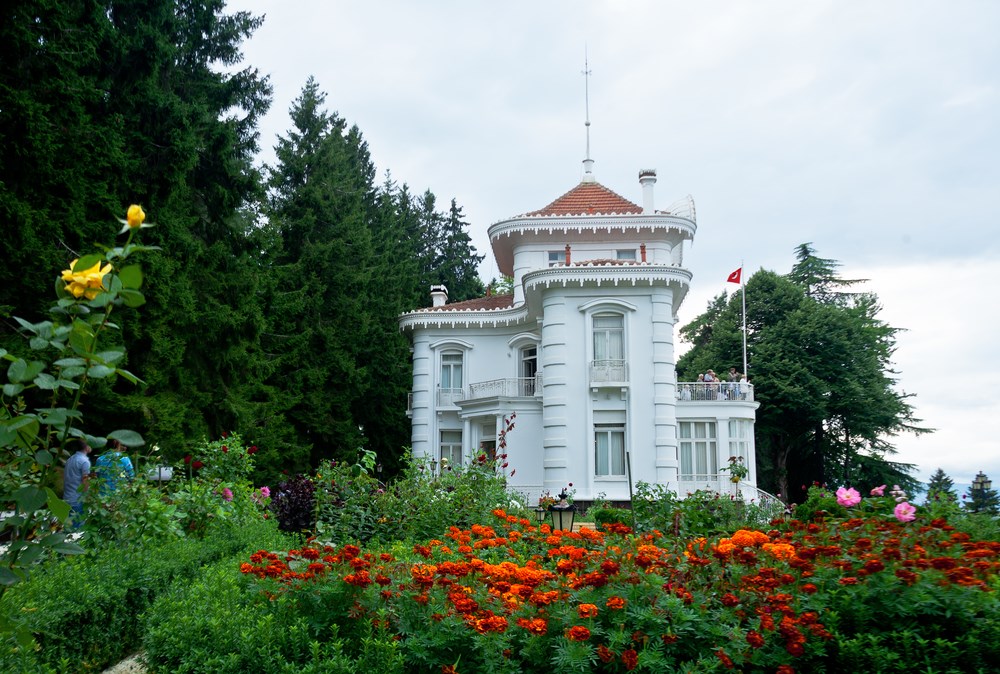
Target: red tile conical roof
[{"x": 588, "y": 198}]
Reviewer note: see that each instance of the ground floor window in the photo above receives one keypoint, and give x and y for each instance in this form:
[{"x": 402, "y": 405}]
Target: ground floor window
[
  {"x": 740, "y": 433},
  {"x": 609, "y": 443},
  {"x": 698, "y": 450},
  {"x": 451, "y": 448}
]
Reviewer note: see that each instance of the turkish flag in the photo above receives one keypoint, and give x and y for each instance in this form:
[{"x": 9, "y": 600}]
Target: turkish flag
[{"x": 735, "y": 276}]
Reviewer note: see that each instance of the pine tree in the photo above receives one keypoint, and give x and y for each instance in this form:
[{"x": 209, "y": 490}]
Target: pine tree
[{"x": 941, "y": 488}]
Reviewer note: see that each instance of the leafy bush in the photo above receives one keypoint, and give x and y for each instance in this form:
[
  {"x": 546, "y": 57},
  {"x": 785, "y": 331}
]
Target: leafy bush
[
  {"x": 293, "y": 503},
  {"x": 84, "y": 610}
]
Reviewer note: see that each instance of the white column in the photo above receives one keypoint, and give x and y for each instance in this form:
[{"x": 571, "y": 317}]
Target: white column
[
  {"x": 423, "y": 397},
  {"x": 553, "y": 355},
  {"x": 664, "y": 389}
]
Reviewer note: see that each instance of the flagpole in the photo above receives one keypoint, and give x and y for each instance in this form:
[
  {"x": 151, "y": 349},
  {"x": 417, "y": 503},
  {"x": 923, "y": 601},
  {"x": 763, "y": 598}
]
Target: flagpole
[{"x": 743, "y": 295}]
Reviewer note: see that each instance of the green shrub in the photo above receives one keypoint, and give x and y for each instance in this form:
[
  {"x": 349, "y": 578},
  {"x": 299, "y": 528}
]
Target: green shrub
[{"x": 84, "y": 610}]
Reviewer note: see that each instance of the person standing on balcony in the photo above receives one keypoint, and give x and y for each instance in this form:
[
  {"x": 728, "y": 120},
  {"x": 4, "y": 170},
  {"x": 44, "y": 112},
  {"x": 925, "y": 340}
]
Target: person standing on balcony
[{"x": 734, "y": 382}]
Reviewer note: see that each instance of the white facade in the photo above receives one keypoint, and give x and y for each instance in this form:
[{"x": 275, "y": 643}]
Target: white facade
[{"x": 582, "y": 353}]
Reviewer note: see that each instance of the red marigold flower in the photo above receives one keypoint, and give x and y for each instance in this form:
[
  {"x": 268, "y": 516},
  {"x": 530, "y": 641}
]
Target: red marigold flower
[
  {"x": 668, "y": 639},
  {"x": 605, "y": 653},
  {"x": 534, "y": 625},
  {"x": 785, "y": 669},
  {"x": 630, "y": 659},
  {"x": 448, "y": 669},
  {"x": 730, "y": 599},
  {"x": 848, "y": 580},
  {"x": 755, "y": 639},
  {"x": 587, "y": 610},
  {"x": 578, "y": 633},
  {"x": 610, "y": 567},
  {"x": 809, "y": 588},
  {"x": 726, "y": 661},
  {"x": 615, "y": 603}
]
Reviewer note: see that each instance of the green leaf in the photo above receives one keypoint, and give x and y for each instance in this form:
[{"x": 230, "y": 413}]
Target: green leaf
[
  {"x": 131, "y": 276},
  {"x": 82, "y": 338},
  {"x": 58, "y": 507},
  {"x": 46, "y": 382},
  {"x": 3, "y": 352},
  {"x": 68, "y": 384},
  {"x": 129, "y": 376},
  {"x": 21, "y": 370},
  {"x": 9, "y": 577},
  {"x": 69, "y": 362},
  {"x": 100, "y": 371},
  {"x": 68, "y": 548},
  {"x": 31, "y": 554},
  {"x": 110, "y": 356},
  {"x": 87, "y": 261},
  {"x": 29, "y": 499},
  {"x": 43, "y": 457},
  {"x": 38, "y": 343},
  {"x": 31, "y": 327},
  {"x": 73, "y": 372},
  {"x": 127, "y": 438},
  {"x": 11, "y": 390},
  {"x": 132, "y": 298}
]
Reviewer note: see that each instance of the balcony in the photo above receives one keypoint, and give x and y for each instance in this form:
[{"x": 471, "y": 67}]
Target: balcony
[
  {"x": 514, "y": 387},
  {"x": 717, "y": 391},
  {"x": 613, "y": 372}
]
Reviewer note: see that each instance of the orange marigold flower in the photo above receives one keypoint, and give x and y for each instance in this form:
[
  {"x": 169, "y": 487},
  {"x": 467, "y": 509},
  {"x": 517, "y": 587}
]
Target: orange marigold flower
[
  {"x": 755, "y": 639},
  {"x": 809, "y": 588},
  {"x": 578, "y": 633},
  {"x": 748, "y": 538},
  {"x": 533, "y": 625},
  {"x": 726, "y": 661},
  {"x": 615, "y": 603},
  {"x": 587, "y": 610}
]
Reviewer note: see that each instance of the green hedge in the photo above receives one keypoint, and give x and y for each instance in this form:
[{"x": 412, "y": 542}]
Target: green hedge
[{"x": 86, "y": 611}]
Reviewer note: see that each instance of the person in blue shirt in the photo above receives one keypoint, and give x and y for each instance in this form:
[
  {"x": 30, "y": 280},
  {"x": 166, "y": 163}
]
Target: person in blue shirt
[
  {"x": 76, "y": 477},
  {"x": 113, "y": 468}
]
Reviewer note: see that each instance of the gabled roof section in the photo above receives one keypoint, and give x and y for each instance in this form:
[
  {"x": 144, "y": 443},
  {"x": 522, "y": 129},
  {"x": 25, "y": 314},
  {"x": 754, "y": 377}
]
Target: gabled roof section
[
  {"x": 589, "y": 198},
  {"x": 488, "y": 303}
]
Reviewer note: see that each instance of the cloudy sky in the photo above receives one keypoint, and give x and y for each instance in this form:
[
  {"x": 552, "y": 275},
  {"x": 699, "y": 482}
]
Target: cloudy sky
[{"x": 870, "y": 129}]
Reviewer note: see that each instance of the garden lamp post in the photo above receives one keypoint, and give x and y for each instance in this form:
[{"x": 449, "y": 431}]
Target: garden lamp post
[
  {"x": 434, "y": 466},
  {"x": 540, "y": 514},
  {"x": 980, "y": 485},
  {"x": 562, "y": 516}
]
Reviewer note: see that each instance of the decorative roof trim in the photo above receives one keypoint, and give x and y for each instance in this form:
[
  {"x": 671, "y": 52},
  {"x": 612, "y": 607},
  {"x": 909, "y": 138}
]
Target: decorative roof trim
[
  {"x": 590, "y": 223},
  {"x": 450, "y": 341},
  {"x": 523, "y": 338},
  {"x": 631, "y": 275},
  {"x": 464, "y": 318},
  {"x": 602, "y": 302}
]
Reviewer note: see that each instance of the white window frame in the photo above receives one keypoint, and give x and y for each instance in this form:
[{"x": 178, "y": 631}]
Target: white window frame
[
  {"x": 740, "y": 436},
  {"x": 697, "y": 450},
  {"x": 556, "y": 257},
  {"x": 626, "y": 254},
  {"x": 613, "y": 463},
  {"x": 450, "y": 447}
]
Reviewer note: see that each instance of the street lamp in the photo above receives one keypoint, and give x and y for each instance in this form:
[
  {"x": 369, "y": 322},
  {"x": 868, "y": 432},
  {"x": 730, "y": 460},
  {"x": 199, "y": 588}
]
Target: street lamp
[{"x": 981, "y": 483}]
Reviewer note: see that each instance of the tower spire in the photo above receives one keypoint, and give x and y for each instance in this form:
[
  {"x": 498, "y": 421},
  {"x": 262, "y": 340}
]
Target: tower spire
[{"x": 588, "y": 163}]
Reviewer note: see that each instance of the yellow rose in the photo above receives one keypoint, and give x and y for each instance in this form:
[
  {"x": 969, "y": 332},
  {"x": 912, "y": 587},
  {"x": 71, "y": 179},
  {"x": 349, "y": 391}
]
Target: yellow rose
[
  {"x": 135, "y": 216},
  {"x": 86, "y": 283}
]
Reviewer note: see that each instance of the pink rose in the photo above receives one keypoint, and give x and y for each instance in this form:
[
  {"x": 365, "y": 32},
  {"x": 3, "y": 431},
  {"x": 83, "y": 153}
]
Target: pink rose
[
  {"x": 227, "y": 494},
  {"x": 905, "y": 512},
  {"x": 265, "y": 492},
  {"x": 878, "y": 491},
  {"x": 848, "y": 497}
]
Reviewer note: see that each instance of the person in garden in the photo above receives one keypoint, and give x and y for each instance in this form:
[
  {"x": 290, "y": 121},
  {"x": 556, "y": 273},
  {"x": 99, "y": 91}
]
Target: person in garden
[
  {"x": 113, "y": 467},
  {"x": 76, "y": 477}
]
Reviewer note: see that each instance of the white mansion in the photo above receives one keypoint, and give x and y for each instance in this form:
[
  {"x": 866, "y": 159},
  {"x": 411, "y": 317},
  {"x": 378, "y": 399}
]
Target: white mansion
[{"x": 583, "y": 353}]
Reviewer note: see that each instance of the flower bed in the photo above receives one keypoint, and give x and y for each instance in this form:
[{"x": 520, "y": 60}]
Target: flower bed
[{"x": 849, "y": 594}]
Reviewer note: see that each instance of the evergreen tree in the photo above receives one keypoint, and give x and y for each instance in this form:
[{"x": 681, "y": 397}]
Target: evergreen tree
[
  {"x": 822, "y": 374},
  {"x": 941, "y": 488},
  {"x": 107, "y": 103},
  {"x": 458, "y": 268}
]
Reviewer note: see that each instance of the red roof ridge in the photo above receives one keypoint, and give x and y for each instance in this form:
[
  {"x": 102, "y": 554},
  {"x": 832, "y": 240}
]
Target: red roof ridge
[
  {"x": 589, "y": 198},
  {"x": 488, "y": 303}
]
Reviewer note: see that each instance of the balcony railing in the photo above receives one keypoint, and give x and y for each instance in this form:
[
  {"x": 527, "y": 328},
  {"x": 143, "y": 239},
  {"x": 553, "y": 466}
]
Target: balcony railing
[
  {"x": 721, "y": 391},
  {"x": 517, "y": 387},
  {"x": 608, "y": 371}
]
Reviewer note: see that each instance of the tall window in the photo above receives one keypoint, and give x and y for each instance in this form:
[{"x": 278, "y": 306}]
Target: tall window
[
  {"x": 451, "y": 370},
  {"x": 740, "y": 432},
  {"x": 451, "y": 448},
  {"x": 529, "y": 368},
  {"x": 609, "y": 337},
  {"x": 699, "y": 458},
  {"x": 556, "y": 257},
  {"x": 609, "y": 444}
]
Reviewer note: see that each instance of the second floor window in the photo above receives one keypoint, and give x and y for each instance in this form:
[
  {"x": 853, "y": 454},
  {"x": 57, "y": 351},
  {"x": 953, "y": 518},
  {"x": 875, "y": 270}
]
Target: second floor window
[
  {"x": 625, "y": 254},
  {"x": 451, "y": 370},
  {"x": 609, "y": 337},
  {"x": 556, "y": 257}
]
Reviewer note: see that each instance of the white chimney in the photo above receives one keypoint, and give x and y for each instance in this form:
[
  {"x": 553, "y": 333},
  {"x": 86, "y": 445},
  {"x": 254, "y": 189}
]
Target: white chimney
[
  {"x": 439, "y": 296},
  {"x": 647, "y": 178}
]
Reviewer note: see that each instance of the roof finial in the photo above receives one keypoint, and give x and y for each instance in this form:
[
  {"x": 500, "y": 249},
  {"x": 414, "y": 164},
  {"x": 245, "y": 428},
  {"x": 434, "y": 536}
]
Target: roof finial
[{"x": 588, "y": 163}]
